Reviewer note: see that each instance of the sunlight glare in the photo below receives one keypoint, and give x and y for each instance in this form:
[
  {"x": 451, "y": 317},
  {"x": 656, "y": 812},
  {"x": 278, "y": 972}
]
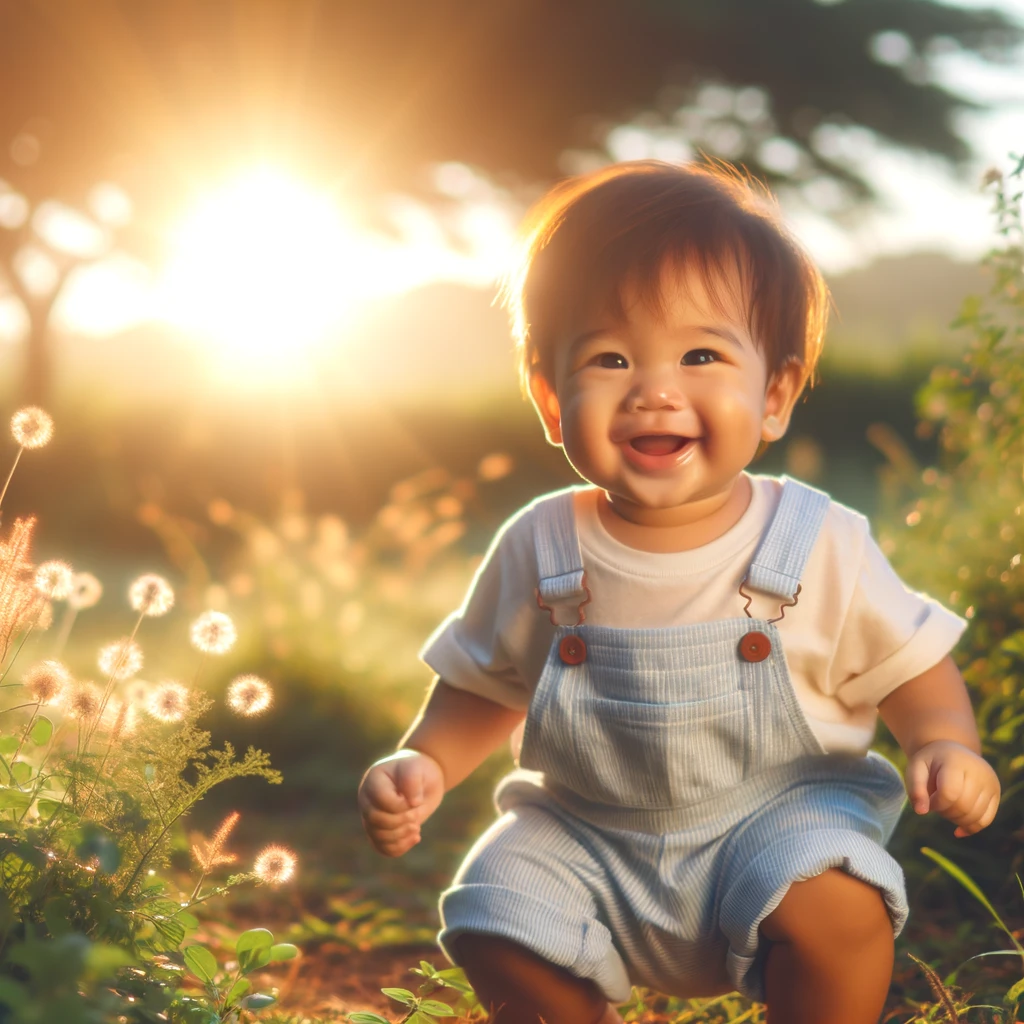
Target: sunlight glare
[{"x": 262, "y": 271}]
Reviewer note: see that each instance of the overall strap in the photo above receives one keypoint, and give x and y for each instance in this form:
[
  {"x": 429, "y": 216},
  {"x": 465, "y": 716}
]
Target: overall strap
[
  {"x": 559, "y": 562},
  {"x": 779, "y": 560}
]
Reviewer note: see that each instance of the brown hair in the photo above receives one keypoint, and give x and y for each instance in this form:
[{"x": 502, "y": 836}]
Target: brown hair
[{"x": 592, "y": 236}]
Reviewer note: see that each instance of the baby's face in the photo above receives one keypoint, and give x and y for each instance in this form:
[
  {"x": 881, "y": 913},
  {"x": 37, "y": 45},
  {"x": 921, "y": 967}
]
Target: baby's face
[{"x": 664, "y": 411}]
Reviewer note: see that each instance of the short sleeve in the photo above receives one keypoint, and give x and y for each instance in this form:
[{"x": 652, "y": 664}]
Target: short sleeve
[
  {"x": 481, "y": 646},
  {"x": 890, "y": 634}
]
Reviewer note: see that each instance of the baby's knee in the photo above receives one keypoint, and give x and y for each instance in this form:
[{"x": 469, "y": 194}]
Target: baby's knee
[
  {"x": 517, "y": 986},
  {"x": 830, "y": 909}
]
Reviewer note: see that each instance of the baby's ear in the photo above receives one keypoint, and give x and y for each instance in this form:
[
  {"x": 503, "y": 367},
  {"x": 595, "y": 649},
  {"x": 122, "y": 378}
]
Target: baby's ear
[
  {"x": 780, "y": 397},
  {"x": 545, "y": 401}
]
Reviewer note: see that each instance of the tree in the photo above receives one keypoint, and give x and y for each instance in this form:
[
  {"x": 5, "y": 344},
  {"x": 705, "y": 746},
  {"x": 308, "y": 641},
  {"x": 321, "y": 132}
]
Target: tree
[{"x": 162, "y": 95}]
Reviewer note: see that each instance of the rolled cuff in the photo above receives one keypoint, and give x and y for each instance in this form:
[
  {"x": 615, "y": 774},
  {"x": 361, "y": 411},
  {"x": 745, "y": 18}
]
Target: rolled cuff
[
  {"x": 581, "y": 945},
  {"x": 932, "y": 641},
  {"x": 450, "y": 661},
  {"x": 759, "y": 889}
]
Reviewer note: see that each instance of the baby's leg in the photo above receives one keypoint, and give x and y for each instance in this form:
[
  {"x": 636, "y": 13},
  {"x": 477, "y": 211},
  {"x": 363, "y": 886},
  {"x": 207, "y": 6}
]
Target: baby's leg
[
  {"x": 831, "y": 957},
  {"x": 519, "y": 987}
]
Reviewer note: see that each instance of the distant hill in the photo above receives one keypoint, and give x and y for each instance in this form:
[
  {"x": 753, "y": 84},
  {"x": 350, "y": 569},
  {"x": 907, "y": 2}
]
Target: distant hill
[
  {"x": 898, "y": 301},
  {"x": 449, "y": 340}
]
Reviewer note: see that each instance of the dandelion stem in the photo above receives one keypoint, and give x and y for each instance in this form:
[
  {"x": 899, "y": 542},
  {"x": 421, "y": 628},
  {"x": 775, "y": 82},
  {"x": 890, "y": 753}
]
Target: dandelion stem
[
  {"x": 65, "y": 631},
  {"x": 9, "y": 475},
  {"x": 202, "y": 662},
  {"x": 18, "y": 707},
  {"x": 113, "y": 673},
  {"x": 28, "y": 729},
  {"x": 16, "y": 653}
]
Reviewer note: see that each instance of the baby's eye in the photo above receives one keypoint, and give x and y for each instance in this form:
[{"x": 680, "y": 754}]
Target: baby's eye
[
  {"x": 701, "y": 357},
  {"x": 612, "y": 361}
]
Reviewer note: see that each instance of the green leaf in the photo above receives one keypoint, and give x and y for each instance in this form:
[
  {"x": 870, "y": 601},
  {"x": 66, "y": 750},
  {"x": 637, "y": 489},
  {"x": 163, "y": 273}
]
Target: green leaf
[
  {"x": 367, "y": 1018},
  {"x": 21, "y": 772},
  {"x": 1015, "y": 992},
  {"x": 239, "y": 989},
  {"x": 201, "y": 962},
  {"x": 48, "y": 808},
  {"x": 187, "y": 921},
  {"x": 9, "y": 744},
  {"x": 400, "y": 995},
  {"x": 41, "y": 732},
  {"x": 254, "y": 938},
  {"x": 14, "y": 800},
  {"x": 253, "y": 949},
  {"x": 15, "y": 996},
  {"x": 283, "y": 951},
  {"x": 57, "y": 915},
  {"x": 258, "y": 1001},
  {"x": 968, "y": 883},
  {"x": 436, "y": 1009}
]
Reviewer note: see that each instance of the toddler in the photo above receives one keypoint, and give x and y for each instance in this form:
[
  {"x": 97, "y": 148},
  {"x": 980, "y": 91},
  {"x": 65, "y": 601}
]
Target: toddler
[{"x": 698, "y": 653}]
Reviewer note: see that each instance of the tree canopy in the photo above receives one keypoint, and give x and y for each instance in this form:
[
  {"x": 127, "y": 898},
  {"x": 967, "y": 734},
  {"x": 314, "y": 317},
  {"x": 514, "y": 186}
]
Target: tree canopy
[{"x": 159, "y": 95}]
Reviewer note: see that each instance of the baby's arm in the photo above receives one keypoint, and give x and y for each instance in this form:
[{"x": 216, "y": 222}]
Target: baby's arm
[
  {"x": 933, "y": 721},
  {"x": 454, "y": 732}
]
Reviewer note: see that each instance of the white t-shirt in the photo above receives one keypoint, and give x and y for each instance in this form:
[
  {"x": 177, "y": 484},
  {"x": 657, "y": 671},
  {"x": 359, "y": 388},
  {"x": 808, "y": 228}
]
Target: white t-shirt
[{"x": 856, "y": 633}]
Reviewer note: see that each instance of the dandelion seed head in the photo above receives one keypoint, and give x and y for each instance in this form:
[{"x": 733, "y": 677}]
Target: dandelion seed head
[
  {"x": 151, "y": 595},
  {"x": 168, "y": 702},
  {"x": 54, "y": 579},
  {"x": 249, "y": 695},
  {"x": 84, "y": 700},
  {"x": 47, "y": 682},
  {"x": 86, "y": 590},
  {"x": 275, "y": 864},
  {"x": 32, "y": 427},
  {"x": 213, "y": 633},
  {"x": 121, "y": 659}
]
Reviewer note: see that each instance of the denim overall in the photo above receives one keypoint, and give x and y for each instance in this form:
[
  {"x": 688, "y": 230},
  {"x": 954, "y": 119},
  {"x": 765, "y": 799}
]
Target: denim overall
[{"x": 671, "y": 789}]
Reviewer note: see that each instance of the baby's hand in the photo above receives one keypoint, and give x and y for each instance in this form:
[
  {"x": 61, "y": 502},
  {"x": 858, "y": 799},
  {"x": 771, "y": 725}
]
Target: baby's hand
[
  {"x": 398, "y": 794},
  {"x": 948, "y": 777}
]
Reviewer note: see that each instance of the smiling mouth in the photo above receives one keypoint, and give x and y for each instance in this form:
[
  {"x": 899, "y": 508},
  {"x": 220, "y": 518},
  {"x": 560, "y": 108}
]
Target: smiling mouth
[{"x": 658, "y": 444}]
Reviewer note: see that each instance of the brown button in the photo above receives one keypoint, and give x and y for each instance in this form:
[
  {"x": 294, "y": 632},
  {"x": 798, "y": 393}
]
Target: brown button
[
  {"x": 572, "y": 650},
  {"x": 755, "y": 646}
]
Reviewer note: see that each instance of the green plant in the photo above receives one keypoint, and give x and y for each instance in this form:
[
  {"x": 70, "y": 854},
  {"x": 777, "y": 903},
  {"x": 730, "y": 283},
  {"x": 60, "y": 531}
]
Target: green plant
[
  {"x": 92, "y": 796},
  {"x": 421, "y": 1008},
  {"x": 228, "y": 994},
  {"x": 956, "y": 530}
]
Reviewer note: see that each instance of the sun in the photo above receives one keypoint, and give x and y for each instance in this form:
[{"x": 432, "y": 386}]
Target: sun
[{"x": 263, "y": 270}]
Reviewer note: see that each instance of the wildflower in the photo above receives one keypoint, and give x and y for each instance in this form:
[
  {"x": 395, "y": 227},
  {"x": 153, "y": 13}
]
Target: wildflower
[
  {"x": 120, "y": 717},
  {"x": 275, "y": 864},
  {"x": 54, "y": 579},
  {"x": 46, "y": 682},
  {"x": 84, "y": 700},
  {"x": 32, "y": 427},
  {"x": 20, "y": 602},
  {"x": 86, "y": 590},
  {"x": 120, "y": 659},
  {"x": 168, "y": 702},
  {"x": 151, "y": 595},
  {"x": 213, "y": 633},
  {"x": 137, "y": 691},
  {"x": 213, "y": 854},
  {"x": 249, "y": 695}
]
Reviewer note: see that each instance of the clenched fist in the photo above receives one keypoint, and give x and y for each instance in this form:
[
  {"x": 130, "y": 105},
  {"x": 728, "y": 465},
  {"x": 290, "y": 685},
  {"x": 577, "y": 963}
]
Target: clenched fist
[
  {"x": 947, "y": 777},
  {"x": 398, "y": 794}
]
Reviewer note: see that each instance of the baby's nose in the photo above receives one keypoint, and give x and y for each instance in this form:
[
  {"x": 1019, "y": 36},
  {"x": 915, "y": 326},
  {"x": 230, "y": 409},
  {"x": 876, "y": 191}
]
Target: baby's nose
[{"x": 656, "y": 391}]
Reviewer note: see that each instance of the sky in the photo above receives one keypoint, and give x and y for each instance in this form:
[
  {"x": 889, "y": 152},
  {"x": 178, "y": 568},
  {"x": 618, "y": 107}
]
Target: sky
[{"x": 926, "y": 208}]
